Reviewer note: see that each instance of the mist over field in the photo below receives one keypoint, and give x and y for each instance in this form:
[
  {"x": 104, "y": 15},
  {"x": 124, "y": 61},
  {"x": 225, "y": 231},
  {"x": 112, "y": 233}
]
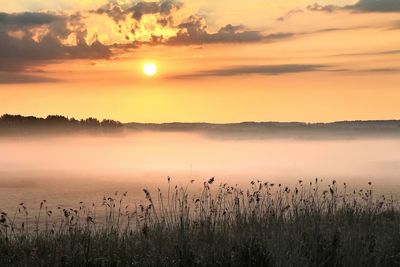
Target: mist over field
[{"x": 66, "y": 169}]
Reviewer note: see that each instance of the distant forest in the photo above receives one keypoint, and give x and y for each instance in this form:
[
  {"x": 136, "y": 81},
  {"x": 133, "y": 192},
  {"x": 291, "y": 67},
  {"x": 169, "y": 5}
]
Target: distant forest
[
  {"x": 359, "y": 124},
  {"x": 17, "y": 124},
  {"x": 287, "y": 130},
  {"x": 53, "y": 123}
]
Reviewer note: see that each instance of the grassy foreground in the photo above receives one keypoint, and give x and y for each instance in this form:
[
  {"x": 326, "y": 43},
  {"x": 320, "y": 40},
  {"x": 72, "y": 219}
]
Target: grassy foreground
[{"x": 268, "y": 225}]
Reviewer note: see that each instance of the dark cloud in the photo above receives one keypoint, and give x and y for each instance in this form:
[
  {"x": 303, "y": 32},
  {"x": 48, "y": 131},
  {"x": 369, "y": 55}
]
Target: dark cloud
[
  {"x": 279, "y": 70},
  {"x": 290, "y": 14},
  {"x": 12, "y": 78},
  {"x": 378, "y": 5},
  {"x": 167, "y": 7},
  {"x": 326, "y": 8},
  {"x": 28, "y": 18},
  {"x": 339, "y": 29},
  {"x": 194, "y": 31},
  {"x": 388, "y": 70},
  {"x": 113, "y": 11},
  {"x": 280, "y": 35},
  {"x": 379, "y": 70},
  {"x": 163, "y": 8},
  {"x": 379, "y": 53},
  {"x": 19, "y": 53},
  {"x": 361, "y": 6},
  {"x": 198, "y": 34},
  {"x": 143, "y": 8},
  {"x": 259, "y": 69}
]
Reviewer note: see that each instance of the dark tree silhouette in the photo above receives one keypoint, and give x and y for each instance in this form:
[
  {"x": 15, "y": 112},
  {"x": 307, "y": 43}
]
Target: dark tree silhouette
[{"x": 21, "y": 124}]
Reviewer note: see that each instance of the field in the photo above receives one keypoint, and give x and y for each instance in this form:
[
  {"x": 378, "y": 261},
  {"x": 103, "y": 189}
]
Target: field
[{"x": 267, "y": 225}]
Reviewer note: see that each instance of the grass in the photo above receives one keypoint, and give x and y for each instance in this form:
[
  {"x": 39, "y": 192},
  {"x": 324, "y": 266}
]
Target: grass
[{"x": 267, "y": 225}]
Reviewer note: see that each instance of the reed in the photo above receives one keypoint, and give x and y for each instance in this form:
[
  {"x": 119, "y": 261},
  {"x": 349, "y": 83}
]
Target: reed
[{"x": 265, "y": 225}]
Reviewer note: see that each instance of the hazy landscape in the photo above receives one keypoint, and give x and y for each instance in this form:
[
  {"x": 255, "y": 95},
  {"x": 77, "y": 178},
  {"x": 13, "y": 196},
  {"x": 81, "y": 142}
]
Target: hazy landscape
[
  {"x": 328, "y": 193},
  {"x": 86, "y": 162},
  {"x": 103, "y": 199},
  {"x": 99, "y": 185},
  {"x": 135, "y": 156}
]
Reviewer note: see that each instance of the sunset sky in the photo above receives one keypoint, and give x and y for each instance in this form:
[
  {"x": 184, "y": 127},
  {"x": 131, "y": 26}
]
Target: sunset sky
[{"x": 217, "y": 60}]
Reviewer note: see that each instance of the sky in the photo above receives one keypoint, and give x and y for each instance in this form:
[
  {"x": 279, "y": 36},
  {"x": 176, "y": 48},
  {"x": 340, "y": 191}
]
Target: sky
[{"x": 217, "y": 61}]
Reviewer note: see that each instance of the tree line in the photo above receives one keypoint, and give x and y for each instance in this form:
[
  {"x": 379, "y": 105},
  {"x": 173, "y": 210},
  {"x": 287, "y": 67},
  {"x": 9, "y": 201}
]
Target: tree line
[{"x": 55, "y": 121}]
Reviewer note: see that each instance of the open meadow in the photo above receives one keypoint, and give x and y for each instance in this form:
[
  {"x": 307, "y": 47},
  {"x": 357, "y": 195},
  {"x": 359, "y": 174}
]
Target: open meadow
[{"x": 266, "y": 225}]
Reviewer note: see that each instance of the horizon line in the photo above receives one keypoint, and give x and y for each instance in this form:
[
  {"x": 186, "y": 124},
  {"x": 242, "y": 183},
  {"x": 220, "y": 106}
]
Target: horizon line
[{"x": 205, "y": 122}]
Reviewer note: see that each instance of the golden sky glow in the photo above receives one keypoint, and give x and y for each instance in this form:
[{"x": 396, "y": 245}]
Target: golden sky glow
[{"x": 216, "y": 61}]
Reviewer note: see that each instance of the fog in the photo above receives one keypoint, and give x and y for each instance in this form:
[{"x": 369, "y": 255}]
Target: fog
[{"x": 68, "y": 169}]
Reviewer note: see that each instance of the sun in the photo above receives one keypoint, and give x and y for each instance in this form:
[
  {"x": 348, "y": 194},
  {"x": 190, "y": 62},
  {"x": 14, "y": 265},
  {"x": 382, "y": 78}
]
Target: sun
[{"x": 149, "y": 69}]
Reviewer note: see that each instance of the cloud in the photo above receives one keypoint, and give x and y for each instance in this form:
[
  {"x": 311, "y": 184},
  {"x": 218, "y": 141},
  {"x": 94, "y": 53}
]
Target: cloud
[
  {"x": 279, "y": 70},
  {"x": 290, "y": 14},
  {"x": 380, "y": 70},
  {"x": 28, "y": 18},
  {"x": 361, "y": 6},
  {"x": 118, "y": 12},
  {"x": 258, "y": 69},
  {"x": 194, "y": 31},
  {"x": 13, "y": 78},
  {"x": 325, "y": 8},
  {"x": 32, "y": 39},
  {"x": 280, "y": 35},
  {"x": 379, "y": 53},
  {"x": 165, "y": 8},
  {"x": 29, "y": 39},
  {"x": 20, "y": 54},
  {"x": 377, "y": 5}
]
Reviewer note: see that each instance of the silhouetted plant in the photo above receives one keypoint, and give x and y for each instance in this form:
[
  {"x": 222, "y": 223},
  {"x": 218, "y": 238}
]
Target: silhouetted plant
[{"x": 265, "y": 225}]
